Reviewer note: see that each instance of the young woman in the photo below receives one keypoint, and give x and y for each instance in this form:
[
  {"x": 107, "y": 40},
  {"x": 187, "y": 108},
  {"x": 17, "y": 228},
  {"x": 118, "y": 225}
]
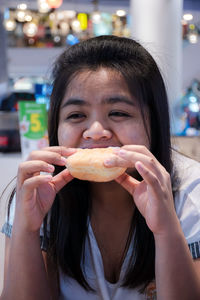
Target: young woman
[{"x": 124, "y": 239}]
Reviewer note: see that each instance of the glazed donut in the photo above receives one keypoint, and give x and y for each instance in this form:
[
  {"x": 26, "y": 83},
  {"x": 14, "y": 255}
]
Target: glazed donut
[{"x": 87, "y": 164}]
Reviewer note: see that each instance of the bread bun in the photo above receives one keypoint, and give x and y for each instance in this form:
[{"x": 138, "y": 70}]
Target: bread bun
[{"x": 87, "y": 164}]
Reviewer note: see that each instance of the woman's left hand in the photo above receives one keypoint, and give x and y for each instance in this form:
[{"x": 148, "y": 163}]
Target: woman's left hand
[{"x": 153, "y": 195}]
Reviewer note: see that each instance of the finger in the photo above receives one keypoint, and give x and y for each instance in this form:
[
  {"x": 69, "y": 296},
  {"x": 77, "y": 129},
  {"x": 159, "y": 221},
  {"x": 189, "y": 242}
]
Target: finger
[
  {"x": 61, "y": 179},
  {"x": 143, "y": 150},
  {"x": 148, "y": 160},
  {"x": 138, "y": 148},
  {"x": 28, "y": 169},
  {"x": 31, "y": 183},
  {"x": 117, "y": 161},
  {"x": 63, "y": 151},
  {"x": 128, "y": 182},
  {"x": 48, "y": 156},
  {"x": 151, "y": 180}
]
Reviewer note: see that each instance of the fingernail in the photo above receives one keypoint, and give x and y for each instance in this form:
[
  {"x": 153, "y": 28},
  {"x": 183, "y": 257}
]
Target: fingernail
[
  {"x": 139, "y": 166},
  {"x": 71, "y": 150},
  {"x": 108, "y": 162},
  {"x": 50, "y": 168},
  {"x": 116, "y": 149},
  {"x": 122, "y": 152},
  {"x": 63, "y": 159},
  {"x": 48, "y": 177}
]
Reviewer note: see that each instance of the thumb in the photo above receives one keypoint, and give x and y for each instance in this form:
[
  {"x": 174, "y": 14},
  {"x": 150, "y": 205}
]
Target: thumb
[
  {"x": 128, "y": 182},
  {"x": 61, "y": 179}
]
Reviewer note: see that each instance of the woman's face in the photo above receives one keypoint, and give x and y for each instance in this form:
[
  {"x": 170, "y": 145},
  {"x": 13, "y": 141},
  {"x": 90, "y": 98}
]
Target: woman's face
[{"x": 99, "y": 111}]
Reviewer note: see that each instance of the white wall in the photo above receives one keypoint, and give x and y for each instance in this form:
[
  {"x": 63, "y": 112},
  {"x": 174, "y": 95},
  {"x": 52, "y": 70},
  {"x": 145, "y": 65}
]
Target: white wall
[
  {"x": 31, "y": 61},
  {"x": 26, "y": 62},
  {"x": 191, "y": 63}
]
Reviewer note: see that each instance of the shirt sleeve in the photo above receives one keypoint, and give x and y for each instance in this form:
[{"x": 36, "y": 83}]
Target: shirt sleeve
[
  {"x": 8, "y": 225},
  {"x": 187, "y": 204}
]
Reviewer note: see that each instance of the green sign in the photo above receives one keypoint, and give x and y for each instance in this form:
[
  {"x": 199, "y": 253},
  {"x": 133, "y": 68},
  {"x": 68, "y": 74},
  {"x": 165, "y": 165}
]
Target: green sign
[{"x": 33, "y": 119}]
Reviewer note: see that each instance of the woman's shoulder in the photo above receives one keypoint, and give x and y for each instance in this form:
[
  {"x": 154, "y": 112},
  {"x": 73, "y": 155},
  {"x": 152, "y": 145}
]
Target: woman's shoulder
[
  {"x": 188, "y": 171},
  {"x": 187, "y": 202}
]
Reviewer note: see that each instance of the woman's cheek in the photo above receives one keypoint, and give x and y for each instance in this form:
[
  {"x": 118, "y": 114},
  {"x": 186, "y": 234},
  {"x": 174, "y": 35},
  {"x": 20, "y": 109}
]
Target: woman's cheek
[
  {"x": 135, "y": 135},
  {"x": 66, "y": 137}
]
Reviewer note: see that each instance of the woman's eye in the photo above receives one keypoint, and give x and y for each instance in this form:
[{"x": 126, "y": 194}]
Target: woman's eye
[
  {"x": 76, "y": 116},
  {"x": 118, "y": 114}
]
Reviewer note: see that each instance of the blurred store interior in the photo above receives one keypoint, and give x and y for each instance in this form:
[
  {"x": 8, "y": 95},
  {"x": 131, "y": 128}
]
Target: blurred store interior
[{"x": 34, "y": 32}]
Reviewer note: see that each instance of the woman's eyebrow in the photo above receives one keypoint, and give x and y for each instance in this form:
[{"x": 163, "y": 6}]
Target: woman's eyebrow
[
  {"x": 108, "y": 100},
  {"x": 119, "y": 99},
  {"x": 74, "y": 101}
]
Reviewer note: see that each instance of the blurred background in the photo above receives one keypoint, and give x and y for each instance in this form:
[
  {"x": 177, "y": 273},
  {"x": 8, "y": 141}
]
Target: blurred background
[{"x": 34, "y": 32}]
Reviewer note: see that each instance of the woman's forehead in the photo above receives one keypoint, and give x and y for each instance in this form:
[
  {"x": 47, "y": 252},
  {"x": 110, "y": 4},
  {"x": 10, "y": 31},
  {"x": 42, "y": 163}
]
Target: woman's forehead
[{"x": 102, "y": 78}]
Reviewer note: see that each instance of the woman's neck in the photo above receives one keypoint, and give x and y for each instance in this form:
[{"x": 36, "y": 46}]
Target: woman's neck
[{"x": 111, "y": 218}]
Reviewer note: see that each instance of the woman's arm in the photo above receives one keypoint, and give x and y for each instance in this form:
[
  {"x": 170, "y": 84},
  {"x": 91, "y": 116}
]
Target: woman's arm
[
  {"x": 25, "y": 276},
  {"x": 177, "y": 275},
  {"x": 197, "y": 266},
  {"x": 50, "y": 277}
]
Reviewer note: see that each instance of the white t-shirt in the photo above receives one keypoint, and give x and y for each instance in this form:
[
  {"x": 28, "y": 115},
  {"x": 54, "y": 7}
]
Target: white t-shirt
[
  {"x": 187, "y": 205},
  {"x": 187, "y": 201},
  {"x": 94, "y": 272}
]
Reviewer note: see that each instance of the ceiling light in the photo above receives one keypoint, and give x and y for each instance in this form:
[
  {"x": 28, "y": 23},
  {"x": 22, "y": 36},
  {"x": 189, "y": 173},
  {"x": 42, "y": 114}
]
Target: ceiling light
[
  {"x": 70, "y": 14},
  {"x": 30, "y": 29},
  {"x": 10, "y": 25},
  {"x": 76, "y": 26},
  {"x": 187, "y": 17},
  {"x": 64, "y": 27},
  {"x": 21, "y": 15},
  {"x": 120, "y": 13},
  {"x": 96, "y": 17},
  {"x": 43, "y": 6},
  {"x": 54, "y": 3},
  {"x": 22, "y": 6},
  {"x": 28, "y": 18},
  {"x": 193, "y": 38}
]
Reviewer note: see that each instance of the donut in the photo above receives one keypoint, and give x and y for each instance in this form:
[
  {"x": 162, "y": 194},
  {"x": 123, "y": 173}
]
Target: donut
[{"x": 87, "y": 164}]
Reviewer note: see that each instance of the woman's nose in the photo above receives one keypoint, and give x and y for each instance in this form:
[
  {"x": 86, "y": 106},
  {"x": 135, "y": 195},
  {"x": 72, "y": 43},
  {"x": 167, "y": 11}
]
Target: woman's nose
[{"x": 97, "y": 132}]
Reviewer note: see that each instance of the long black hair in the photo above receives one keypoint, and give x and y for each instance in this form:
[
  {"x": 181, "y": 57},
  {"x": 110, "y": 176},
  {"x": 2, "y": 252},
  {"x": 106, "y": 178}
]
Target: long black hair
[
  {"x": 69, "y": 213},
  {"x": 71, "y": 208}
]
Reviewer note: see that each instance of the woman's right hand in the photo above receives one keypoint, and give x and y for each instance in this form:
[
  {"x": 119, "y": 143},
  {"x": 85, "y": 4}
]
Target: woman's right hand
[{"x": 36, "y": 192}]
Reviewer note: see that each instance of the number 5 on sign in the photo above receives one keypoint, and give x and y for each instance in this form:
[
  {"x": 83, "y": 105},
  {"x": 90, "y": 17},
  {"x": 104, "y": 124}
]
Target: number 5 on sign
[{"x": 35, "y": 122}]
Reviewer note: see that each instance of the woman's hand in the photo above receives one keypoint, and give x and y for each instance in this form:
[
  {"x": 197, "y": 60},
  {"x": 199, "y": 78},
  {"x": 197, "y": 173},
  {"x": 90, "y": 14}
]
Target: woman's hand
[
  {"x": 153, "y": 195},
  {"x": 36, "y": 192}
]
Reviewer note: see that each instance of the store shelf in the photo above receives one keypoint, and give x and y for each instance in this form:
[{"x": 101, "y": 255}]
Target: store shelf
[{"x": 78, "y": 5}]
